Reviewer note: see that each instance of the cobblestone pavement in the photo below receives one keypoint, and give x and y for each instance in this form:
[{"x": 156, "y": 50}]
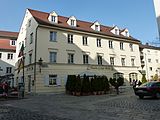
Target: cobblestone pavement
[{"x": 125, "y": 106}]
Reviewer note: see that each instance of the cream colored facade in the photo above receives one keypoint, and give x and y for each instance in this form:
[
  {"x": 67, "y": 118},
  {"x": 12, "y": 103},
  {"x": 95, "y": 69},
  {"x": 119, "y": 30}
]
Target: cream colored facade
[{"x": 37, "y": 76}]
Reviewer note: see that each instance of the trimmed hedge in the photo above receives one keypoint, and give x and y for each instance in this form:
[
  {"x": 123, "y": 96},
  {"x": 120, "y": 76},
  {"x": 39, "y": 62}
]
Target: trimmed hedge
[{"x": 85, "y": 85}]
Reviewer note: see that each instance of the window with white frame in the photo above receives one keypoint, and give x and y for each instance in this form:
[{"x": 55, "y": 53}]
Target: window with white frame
[
  {"x": 121, "y": 45},
  {"x": 110, "y": 44},
  {"x": 98, "y": 42},
  {"x": 131, "y": 46},
  {"x": 52, "y": 79},
  {"x": 53, "y": 57},
  {"x": 72, "y": 22},
  {"x": 84, "y": 39},
  {"x": 132, "y": 61},
  {"x": 13, "y": 42},
  {"x": 85, "y": 59},
  {"x": 96, "y": 27},
  {"x": 31, "y": 38},
  {"x": 53, "y": 36},
  {"x": 10, "y": 56},
  {"x": 123, "y": 61},
  {"x": 99, "y": 60},
  {"x": 70, "y": 38},
  {"x": 111, "y": 60},
  {"x": 8, "y": 69},
  {"x": 30, "y": 58},
  {"x": 116, "y": 31},
  {"x": 53, "y": 18},
  {"x": 70, "y": 58},
  {"x": 126, "y": 33}
]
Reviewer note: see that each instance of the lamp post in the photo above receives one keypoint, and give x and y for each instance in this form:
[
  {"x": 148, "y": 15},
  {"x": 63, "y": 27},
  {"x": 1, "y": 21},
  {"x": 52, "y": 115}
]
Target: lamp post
[{"x": 40, "y": 61}]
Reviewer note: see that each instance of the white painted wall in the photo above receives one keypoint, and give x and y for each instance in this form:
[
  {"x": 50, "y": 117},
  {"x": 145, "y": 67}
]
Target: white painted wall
[
  {"x": 4, "y": 62},
  {"x": 152, "y": 54}
]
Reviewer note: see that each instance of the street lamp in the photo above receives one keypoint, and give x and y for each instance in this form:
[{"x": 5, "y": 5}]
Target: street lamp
[{"x": 40, "y": 62}]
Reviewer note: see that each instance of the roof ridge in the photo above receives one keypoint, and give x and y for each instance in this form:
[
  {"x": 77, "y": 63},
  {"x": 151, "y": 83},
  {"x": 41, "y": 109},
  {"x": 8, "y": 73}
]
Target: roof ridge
[
  {"x": 41, "y": 17},
  {"x": 8, "y": 31}
]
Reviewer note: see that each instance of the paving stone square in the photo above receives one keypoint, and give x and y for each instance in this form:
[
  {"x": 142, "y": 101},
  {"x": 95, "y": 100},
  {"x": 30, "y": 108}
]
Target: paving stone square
[{"x": 125, "y": 106}]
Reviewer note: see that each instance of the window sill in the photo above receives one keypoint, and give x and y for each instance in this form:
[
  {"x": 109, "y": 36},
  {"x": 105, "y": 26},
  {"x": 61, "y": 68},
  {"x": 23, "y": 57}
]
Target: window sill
[
  {"x": 52, "y": 85},
  {"x": 53, "y": 40}
]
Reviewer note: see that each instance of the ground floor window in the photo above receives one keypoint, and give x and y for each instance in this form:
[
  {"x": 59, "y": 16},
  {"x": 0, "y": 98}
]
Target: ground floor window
[
  {"x": 52, "y": 79},
  {"x": 118, "y": 75}
]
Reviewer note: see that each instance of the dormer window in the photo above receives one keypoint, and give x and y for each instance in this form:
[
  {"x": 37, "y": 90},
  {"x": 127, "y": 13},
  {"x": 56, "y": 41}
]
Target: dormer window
[
  {"x": 72, "y": 21},
  {"x": 115, "y": 30},
  {"x": 96, "y": 26},
  {"x": 13, "y": 42},
  {"x": 53, "y": 17},
  {"x": 125, "y": 32}
]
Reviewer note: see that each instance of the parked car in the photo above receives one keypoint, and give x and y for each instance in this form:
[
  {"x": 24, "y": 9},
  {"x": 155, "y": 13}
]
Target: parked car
[{"x": 148, "y": 89}]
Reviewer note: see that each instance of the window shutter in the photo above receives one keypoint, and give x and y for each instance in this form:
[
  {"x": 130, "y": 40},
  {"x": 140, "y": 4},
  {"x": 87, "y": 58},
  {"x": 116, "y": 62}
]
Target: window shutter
[
  {"x": 46, "y": 80},
  {"x": 65, "y": 79},
  {"x": 58, "y": 81}
]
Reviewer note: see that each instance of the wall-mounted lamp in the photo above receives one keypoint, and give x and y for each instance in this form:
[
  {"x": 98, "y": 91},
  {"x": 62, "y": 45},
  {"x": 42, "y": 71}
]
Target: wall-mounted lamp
[{"x": 40, "y": 62}]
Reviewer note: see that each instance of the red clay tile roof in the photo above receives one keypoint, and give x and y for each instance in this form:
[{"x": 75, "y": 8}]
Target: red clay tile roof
[
  {"x": 8, "y": 34},
  {"x": 42, "y": 18},
  {"x": 148, "y": 47},
  {"x": 5, "y": 45}
]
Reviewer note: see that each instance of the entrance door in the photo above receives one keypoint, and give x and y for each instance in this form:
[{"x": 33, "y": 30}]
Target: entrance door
[
  {"x": 132, "y": 77},
  {"x": 29, "y": 83}
]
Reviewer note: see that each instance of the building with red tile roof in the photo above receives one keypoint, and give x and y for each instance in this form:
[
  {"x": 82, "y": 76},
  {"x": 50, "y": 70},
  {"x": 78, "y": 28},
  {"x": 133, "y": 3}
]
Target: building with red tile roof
[
  {"x": 8, "y": 34},
  {"x": 7, "y": 55},
  {"x": 58, "y": 46}
]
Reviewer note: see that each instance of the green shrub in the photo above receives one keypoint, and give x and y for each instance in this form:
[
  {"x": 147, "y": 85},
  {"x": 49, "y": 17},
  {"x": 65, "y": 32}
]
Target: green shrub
[
  {"x": 78, "y": 84},
  {"x": 86, "y": 87},
  {"x": 106, "y": 83},
  {"x": 71, "y": 81}
]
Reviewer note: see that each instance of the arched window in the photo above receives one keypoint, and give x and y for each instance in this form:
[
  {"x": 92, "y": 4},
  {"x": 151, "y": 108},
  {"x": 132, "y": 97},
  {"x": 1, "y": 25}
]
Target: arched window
[
  {"x": 133, "y": 76},
  {"x": 118, "y": 75}
]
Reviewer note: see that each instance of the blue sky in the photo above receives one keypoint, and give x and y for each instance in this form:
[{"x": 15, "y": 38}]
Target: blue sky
[{"x": 136, "y": 15}]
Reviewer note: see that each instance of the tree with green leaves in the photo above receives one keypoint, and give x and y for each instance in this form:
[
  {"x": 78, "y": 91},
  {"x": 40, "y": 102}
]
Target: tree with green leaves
[
  {"x": 155, "y": 77},
  {"x": 144, "y": 80},
  {"x": 117, "y": 83}
]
